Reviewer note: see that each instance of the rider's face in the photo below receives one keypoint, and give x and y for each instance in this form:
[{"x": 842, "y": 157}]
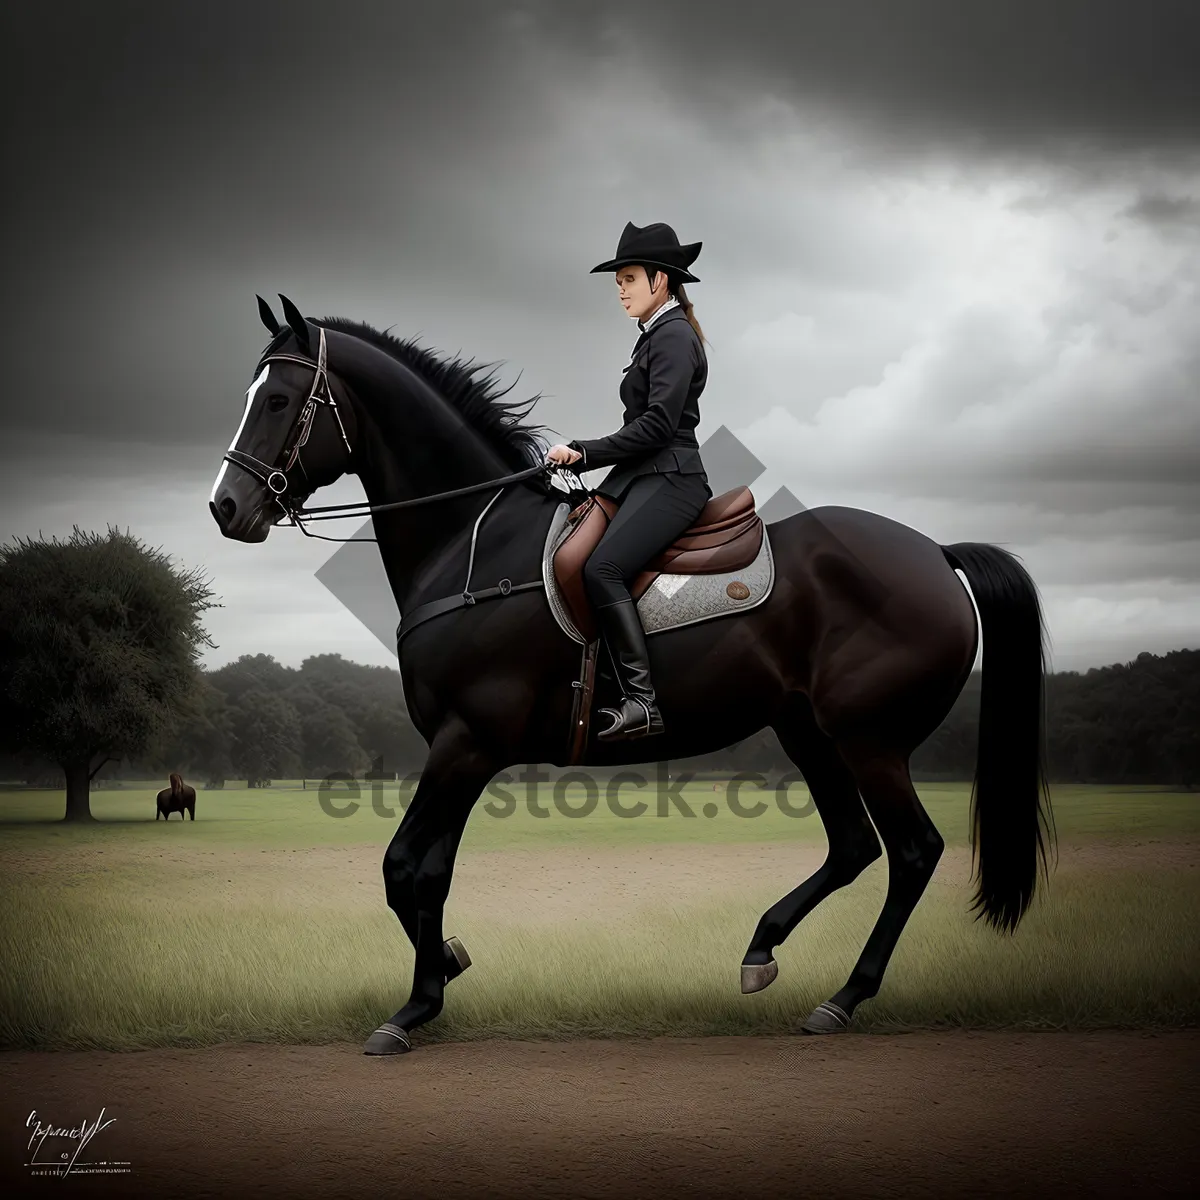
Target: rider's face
[{"x": 633, "y": 290}]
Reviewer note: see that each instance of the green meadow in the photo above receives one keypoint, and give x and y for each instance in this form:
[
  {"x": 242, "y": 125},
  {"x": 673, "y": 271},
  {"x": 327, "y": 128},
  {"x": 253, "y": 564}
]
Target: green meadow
[
  {"x": 264, "y": 920},
  {"x": 540, "y": 814}
]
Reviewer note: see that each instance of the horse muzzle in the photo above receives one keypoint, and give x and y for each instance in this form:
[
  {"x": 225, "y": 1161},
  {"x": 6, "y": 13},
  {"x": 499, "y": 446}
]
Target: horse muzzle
[{"x": 242, "y": 507}]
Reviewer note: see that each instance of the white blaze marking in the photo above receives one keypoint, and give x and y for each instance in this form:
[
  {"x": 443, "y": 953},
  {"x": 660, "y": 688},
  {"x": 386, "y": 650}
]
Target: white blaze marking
[{"x": 262, "y": 378}]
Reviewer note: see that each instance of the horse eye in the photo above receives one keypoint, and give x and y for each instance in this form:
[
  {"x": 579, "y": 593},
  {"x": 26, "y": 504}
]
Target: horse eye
[{"x": 277, "y": 403}]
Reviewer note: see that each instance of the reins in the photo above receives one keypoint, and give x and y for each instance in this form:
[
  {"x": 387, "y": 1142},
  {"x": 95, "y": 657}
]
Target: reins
[
  {"x": 336, "y": 512},
  {"x": 325, "y": 512}
]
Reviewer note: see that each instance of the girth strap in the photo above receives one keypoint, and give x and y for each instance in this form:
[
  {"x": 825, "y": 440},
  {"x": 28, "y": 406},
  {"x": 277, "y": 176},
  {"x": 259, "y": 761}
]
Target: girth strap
[{"x": 435, "y": 608}]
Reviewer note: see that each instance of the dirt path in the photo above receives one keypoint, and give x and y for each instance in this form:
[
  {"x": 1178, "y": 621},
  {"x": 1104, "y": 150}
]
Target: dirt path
[{"x": 980, "y": 1114}]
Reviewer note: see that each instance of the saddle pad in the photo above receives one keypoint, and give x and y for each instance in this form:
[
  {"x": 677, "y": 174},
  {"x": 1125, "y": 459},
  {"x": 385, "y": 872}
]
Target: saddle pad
[{"x": 671, "y": 600}]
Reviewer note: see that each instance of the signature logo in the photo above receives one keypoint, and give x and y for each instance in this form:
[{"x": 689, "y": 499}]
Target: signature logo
[{"x": 57, "y": 1150}]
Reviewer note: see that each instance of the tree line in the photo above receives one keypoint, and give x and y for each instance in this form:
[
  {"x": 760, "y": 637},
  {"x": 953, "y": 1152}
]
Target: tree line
[
  {"x": 100, "y": 641},
  {"x": 257, "y": 720},
  {"x": 1129, "y": 723}
]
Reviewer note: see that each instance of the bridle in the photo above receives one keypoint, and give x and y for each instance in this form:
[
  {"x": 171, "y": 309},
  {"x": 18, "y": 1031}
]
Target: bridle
[{"x": 275, "y": 479}]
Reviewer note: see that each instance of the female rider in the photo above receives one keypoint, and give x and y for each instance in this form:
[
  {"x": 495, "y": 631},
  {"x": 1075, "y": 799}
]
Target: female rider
[{"x": 658, "y": 477}]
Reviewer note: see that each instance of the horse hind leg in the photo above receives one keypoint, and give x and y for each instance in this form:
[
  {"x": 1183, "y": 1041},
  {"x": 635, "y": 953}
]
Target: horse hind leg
[
  {"x": 914, "y": 848},
  {"x": 853, "y": 845}
]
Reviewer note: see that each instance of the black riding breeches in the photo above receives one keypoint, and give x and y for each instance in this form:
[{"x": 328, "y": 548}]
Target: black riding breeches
[{"x": 655, "y": 510}]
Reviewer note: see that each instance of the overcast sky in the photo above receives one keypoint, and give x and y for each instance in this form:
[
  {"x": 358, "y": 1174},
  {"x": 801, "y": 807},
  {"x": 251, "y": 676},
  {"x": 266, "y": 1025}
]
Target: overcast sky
[{"x": 951, "y": 263}]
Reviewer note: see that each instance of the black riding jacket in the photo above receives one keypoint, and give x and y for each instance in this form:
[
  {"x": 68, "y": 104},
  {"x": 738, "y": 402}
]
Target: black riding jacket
[{"x": 661, "y": 390}]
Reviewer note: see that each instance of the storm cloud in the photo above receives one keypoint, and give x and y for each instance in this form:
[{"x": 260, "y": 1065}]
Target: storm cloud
[{"x": 951, "y": 264}]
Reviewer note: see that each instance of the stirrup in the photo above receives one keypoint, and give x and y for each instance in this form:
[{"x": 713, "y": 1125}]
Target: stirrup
[{"x": 646, "y": 706}]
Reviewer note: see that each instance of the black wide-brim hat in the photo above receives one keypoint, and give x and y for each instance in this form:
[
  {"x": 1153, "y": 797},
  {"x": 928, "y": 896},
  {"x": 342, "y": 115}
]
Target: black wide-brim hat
[{"x": 656, "y": 246}]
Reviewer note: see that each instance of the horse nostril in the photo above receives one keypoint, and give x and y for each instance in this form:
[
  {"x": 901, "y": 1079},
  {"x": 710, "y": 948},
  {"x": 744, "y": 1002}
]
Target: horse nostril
[{"x": 228, "y": 508}]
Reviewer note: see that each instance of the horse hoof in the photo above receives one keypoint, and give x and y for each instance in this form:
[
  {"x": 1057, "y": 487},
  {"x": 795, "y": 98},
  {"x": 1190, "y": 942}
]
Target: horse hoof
[
  {"x": 756, "y": 976},
  {"x": 388, "y": 1039},
  {"x": 459, "y": 951},
  {"x": 827, "y": 1018}
]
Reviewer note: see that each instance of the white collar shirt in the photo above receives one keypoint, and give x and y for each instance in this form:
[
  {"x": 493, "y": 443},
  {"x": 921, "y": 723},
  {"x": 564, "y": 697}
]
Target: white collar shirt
[{"x": 658, "y": 312}]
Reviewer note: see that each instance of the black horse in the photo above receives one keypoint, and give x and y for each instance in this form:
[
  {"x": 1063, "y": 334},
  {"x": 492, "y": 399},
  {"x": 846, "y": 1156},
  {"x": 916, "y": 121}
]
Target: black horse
[
  {"x": 854, "y": 659},
  {"x": 179, "y": 797}
]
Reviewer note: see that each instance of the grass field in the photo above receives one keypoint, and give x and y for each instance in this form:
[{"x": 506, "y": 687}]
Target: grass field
[
  {"x": 265, "y": 920},
  {"x": 285, "y": 816}
]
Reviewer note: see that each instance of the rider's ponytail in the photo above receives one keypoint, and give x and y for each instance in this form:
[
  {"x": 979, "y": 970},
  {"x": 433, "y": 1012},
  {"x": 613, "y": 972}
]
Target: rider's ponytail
[
  {"x": 689, "y": 312},
  {"x": 675, "y": 288}
]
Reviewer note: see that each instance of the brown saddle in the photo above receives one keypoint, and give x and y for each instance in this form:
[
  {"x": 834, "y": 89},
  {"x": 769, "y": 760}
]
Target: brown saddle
[{"x": 726, "y": 536}]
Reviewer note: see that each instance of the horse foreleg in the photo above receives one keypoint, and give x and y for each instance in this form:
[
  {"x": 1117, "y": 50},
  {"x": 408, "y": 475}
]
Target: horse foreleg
[
  {"x": 399, "y": 877},
  {"x": 418, "y": 869}
]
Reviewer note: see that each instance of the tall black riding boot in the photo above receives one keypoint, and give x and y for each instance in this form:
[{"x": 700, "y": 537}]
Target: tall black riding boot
[{"x": 638, "y": 715}]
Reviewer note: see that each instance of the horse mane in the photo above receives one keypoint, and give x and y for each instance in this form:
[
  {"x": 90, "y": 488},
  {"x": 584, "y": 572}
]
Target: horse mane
[
  {"x": 176, "y": 782},
  {"x": 477, "y": 400}
]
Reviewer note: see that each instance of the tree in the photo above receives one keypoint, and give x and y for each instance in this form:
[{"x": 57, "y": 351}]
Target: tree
[
  {"x": 373, "y": 700},
  {"x": 203, "y": 743},
  {"x": 251, "y": 671},
  {"x": 99, "y": 644},
  {"x": 266, "y": 737},
  {"x": 330, "y": 744}
]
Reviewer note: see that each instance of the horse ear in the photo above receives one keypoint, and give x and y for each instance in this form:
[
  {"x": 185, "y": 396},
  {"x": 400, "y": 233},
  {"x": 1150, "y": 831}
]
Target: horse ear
[
  {"x": 268, "y": 317},
  {"x": 297, "y": 324}
]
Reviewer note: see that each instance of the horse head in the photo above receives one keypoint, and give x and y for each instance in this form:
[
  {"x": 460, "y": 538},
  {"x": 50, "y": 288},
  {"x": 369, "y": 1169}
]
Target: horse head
[
  {"x": 333, "y": 397},
  {"x": 274, "y": 462}
]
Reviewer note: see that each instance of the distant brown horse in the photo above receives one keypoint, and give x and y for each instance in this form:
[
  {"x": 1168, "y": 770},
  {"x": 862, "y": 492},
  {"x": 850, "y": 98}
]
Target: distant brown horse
[{"x": 176, "y": 798}]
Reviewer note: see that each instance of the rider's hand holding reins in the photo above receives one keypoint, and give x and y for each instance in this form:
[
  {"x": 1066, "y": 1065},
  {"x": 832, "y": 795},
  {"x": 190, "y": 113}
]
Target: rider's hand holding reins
[{"x": 562, "y": 454}]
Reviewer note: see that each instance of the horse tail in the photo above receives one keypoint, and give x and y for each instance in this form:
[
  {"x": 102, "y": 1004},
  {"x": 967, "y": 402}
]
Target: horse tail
[{"x": 1010, "y": 799}]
